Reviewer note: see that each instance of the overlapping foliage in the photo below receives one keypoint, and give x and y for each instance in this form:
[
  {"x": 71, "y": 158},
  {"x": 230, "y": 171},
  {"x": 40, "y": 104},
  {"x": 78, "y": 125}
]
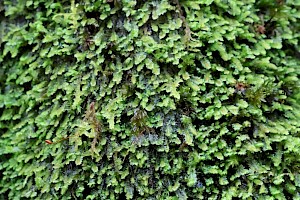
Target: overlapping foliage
[{"x": 195, "y": 99}]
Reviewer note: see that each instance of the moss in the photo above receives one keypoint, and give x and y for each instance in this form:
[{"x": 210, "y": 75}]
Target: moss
[{"x": 113, "y": 99}]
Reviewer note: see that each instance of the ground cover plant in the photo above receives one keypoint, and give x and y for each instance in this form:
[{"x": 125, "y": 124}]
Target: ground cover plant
[{"x": 132, "y": 99}]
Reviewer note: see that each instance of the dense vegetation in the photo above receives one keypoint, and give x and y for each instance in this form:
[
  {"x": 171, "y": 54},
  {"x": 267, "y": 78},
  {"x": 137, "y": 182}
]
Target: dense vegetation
[{"x": 168, "y": 99}]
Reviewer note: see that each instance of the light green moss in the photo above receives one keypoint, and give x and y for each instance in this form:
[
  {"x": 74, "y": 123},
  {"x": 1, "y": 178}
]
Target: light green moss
[{"x": 149, "y": 99}]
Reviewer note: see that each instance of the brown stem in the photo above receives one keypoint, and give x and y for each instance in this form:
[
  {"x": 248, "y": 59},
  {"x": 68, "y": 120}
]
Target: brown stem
[
  {"x": 182, "y": 17},
  {"x": 50, "y": 142}
]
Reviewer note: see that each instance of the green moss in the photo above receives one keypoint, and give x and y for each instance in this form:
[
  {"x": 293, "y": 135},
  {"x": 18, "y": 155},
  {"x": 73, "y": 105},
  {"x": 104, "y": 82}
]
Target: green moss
[{"x": 149, "y": 99}]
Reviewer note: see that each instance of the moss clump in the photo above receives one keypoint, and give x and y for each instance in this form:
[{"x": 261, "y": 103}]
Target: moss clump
[{"x": 149, "y": 99}]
